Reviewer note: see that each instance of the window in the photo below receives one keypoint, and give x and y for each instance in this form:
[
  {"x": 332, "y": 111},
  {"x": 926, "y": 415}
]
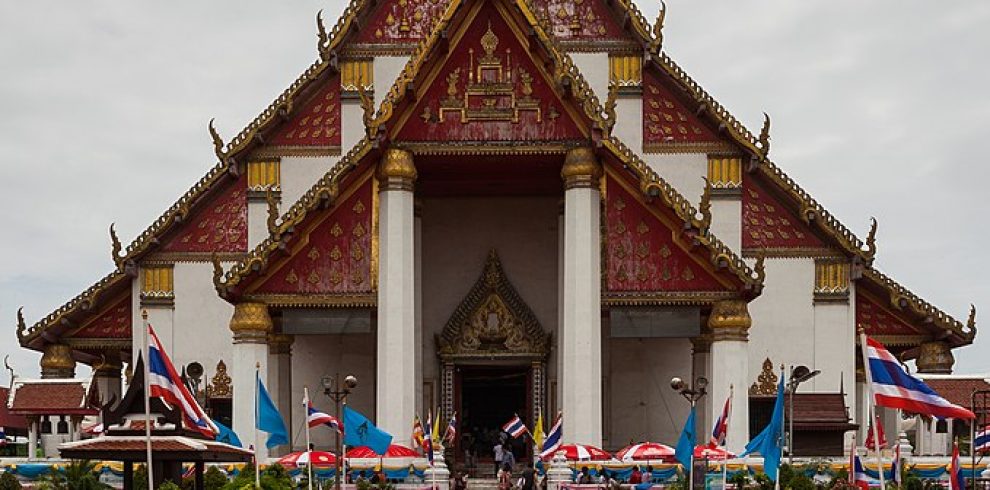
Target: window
[
  {"x": 63, "y": 426},
  {"x": 941, "y": 427}
]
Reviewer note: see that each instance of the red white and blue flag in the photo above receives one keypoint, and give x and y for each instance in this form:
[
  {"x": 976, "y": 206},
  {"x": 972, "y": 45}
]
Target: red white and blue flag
[
  {"x": 894, "y": 387},
  {"x": 451, "y": 432},
  {"x": 428, "y": 439},
  {"x": 981, "y": 443},
  {"x": 872, "y": 444},
  {"x": 515, "y": 427},
  {"x": 859, "y": 476},
  {"x": 316, "y": 418},
  {"x": 164, "y": 382},
  {"x": 554, "y": 438},
  {"x": 896, "y": 466},
  {"x": 956, "y": 480},
  {"x": 721, "y": 425}
]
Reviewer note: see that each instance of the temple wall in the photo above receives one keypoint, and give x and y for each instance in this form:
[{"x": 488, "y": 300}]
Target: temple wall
[
  {"x": 299, "y": 174},
  {"x": 594, "y": 68},
  {"x": 457, "y": 234},
  {"x": 314, "y": 356},
  {"x": 835, "y": 352},
  {"x": 629, "y": 121},
  {"x": 202, "y": 318},
  {"x": 783, "y": 317},
  {"x": 727, "y": 222},
  {"x": 684, "y": 171},
  {"x": 386, "y": 70},
  {"x": 639, "y": 403}
]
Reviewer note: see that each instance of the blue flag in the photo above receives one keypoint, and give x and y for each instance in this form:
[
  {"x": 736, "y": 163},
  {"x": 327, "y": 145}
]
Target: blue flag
[
  {"x": 226, "y": 435},
  {"x": 267, "y": 418},
  {"x": 685, "y": 444},
  {"x": 769, "y": 442},
  {"x": 359, "y": 431}
]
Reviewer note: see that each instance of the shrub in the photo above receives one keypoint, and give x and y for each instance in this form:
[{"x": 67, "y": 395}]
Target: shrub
[
  {"x": 214, "y": 479},
  {"x": 169, "y": 485},
  {"x": 800, "y": 481},
  {"x": 9, "y": 482}
]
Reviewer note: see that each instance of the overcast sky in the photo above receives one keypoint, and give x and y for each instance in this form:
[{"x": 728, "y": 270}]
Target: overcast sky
[{"x": 879, "y": 109}]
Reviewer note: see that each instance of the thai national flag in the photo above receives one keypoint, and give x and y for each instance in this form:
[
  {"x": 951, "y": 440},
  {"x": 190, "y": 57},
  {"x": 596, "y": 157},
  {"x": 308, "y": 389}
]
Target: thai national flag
[
  {"x": 893, "y": 387},
  {"x": 553, "y": 439},
  {"x": 860, "y": 478},
  {"x": 451, "y": 432},
  {"x": 956, "y": 480},
  {"x": 165, "y": 383},
  {"x": 515, "y": 427},
  {"x": 721, "y": 425},
  {"x": 895, "y": 466},
  {"x": 981, "y": 444},
  {"x": 428, "y": 440},
  {"x": 316, "y": 418}
]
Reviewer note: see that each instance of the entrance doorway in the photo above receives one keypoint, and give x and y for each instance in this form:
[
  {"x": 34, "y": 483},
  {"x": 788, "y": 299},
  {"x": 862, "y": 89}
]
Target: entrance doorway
[{"x": 489, "y": 397}]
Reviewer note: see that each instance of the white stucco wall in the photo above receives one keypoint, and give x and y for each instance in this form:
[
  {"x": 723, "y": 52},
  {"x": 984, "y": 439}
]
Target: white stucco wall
[
  {"x": 783, "y": 316},
  {"x": 835, "y": 350},
  {"x": 641, "y": 404},
  {"x": 727, "y": 221},
  {"x": 386, "y": 70},
  {"x": 202, "y": 318},
  {"x": 684, "y": 171},
  {"x": 629, "y": 121},
  {"x": 594, "y": 68},
  {"x": 299, "y": 174}
]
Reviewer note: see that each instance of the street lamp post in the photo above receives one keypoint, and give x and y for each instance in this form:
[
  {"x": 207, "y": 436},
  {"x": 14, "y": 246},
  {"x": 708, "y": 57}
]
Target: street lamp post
[
  {"x": 338, "y": 392},
  {"x": 799, "y": 375},
  {"x": 692, "y": 394}
]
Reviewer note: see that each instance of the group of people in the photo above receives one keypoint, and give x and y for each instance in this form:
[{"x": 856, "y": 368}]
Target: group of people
[{"x": 639, "y": 477}]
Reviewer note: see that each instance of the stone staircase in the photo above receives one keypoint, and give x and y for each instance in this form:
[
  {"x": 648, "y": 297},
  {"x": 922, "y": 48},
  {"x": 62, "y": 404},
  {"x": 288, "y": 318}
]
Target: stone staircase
[{"x": 482, "y": 484}]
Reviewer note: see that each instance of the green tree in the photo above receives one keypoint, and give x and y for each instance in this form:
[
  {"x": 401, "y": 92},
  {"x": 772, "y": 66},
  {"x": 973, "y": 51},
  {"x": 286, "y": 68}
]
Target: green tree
[
  {"x": 77, "y": 475},
  {"x": 214, "y": 479},
  {"x": 169, "y": 485}
]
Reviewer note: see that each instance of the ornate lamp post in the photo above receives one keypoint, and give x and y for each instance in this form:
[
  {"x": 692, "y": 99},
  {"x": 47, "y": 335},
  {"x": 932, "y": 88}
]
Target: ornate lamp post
[
  {"x": 692, "y": 394},
  {"x": 799, "y": 375},
  {"x": 338, "y": 392}
]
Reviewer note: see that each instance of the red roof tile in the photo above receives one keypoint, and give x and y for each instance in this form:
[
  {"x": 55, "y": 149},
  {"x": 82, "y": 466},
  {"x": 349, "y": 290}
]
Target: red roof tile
[
  {"x": 8, "y": 420},
  {"x": 51, "y": 397},
  {"x": 956, "y": 390}
]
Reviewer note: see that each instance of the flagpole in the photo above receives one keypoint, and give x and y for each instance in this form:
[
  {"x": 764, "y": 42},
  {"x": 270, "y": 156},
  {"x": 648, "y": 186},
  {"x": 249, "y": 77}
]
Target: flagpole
[
  {"x": 776, "y": 481},
  {"x": 691, "y": 470},
  {"x": 725, "y": 458},
  {"x": 309, "y": 452},
  {"x": 257, "y": 444},
  {"x": 871, "y": 404},
  {"x": 146, "y": 352}
]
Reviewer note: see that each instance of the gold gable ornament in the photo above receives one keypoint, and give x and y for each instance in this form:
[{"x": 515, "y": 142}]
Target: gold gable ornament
[
  {"x": 493, "y": 322},
  {"x": 219, "y": 386},
  {"x": 766, "y": 382}
]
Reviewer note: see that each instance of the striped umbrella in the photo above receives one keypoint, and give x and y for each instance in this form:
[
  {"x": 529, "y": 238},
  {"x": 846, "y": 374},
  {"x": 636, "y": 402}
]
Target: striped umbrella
[
  {"x": 394, "y": 451},
  {"x": 704, "y": 451},
  {"x": 301, "y": 458},
  {"x": 645, "y": 451},
  {"x": 582, "y": 452}
]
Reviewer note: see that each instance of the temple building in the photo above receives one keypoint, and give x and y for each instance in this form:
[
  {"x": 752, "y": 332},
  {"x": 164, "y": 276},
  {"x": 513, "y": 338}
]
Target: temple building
[{"x": 494, "y": 207}]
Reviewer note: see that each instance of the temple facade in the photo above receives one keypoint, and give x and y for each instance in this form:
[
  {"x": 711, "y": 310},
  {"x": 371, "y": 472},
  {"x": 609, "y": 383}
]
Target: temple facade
[{"x": 492, "y": 207}]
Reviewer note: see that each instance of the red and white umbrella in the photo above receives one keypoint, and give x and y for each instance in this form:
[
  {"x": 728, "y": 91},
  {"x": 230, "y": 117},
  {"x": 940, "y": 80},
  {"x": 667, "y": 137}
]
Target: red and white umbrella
[
  {"x": 582, "y": 452},
  {"x": 704, "y": 451},
  {"x": 302, "y": 458},
  {"x": 394, "y": 451},
  {"x": 645, "y": 451}
]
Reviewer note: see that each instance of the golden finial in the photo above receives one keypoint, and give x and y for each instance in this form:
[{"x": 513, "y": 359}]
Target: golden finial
[
  {"x": 760, "y": 267},
  {"x": 272, "y": 211},
  {"x": 101, "y": 364},
  {"x": 657, "y": 44},
  {"x": 115, "y": 246},
  {"x": 217, "y": 270},
  {"x": 324, "y": 39},
  {"x": 144, "y": 315},
  {"x": 21, "y": 326},
  {"x": 871, "y": 238},
  {"x": 765, "y": 135},
  {"x": 705, "y": 206},
  {"x": 971, "y": 321},
  {"x": 610, "y": 104},
  {"x": 489, "y": 41},
  {"x": 217, "y": 142},
  {"x": 368, "y": 106}
]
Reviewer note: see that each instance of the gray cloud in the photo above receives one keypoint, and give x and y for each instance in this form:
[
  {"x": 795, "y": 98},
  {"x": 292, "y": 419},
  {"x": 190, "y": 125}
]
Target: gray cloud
[{"x": 879, "y": 109}]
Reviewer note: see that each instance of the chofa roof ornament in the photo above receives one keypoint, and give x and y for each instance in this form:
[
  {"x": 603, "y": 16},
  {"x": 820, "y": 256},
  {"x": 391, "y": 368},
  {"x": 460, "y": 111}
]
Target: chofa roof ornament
[{"x": 657, "y": 43}]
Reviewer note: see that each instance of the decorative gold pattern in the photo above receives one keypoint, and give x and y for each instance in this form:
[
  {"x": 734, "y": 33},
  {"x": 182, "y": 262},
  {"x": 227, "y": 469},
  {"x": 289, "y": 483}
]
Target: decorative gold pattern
[
  {"x": 725, "y": 172},
  {"x": 903, "y": 299},
  {"x": 220, "y": 385},
  {"x": 157, "y": 283},
  {"x": 396, "y": 170},
  {"x": 357, "y": 73},
  {"x": 935, "y": 358},
  {"x": 493, "y": 321},
  {"x": 766, "y": 382},
  {"x": 730, "y": 320},
  {"x": 831, "y": 279},
  {"x": 251, "y": 322},
  {"x": 264, "y": 175},
  {"x": 57, "y": 362},
  {"x": 625, "y": 70},
  {"x": 581, "y": 168}
]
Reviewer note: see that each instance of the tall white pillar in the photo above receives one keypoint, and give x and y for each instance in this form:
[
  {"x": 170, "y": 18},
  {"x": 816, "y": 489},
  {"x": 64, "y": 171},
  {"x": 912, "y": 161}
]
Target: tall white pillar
[
  {"x": 729, "y": 322},
  {"x": 250, "y": 326},
  {"x": 581, "y": 332},
  {"x": 33, "y": 426},
  {"x": 419, "y": 311},
  {"x": 396, "y": 373}
]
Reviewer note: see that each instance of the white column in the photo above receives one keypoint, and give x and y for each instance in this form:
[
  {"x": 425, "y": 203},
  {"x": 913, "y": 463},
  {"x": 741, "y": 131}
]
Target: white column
[
  {"x": 257, "y": 222},
  {"x": 580, "y": 342},
  {"x": 250, "y": 326},
  {"x": 33, "y": 426},
  {"x": 729, "y": 322},
  {"x": 280, "y": 381},
  {"x": 419, "y": 311},
  {"x": 396, "y": 358}
]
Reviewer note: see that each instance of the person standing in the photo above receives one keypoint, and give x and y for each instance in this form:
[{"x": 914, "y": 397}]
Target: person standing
[
  {"x": 508, "y": 457},
  {"x": 499, "y": 454}
]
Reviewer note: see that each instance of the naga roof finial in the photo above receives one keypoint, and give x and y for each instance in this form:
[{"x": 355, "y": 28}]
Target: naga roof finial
[
  {"x": 324, "y": 39},
  {"x": 115, "y": 247},
  {"x": 657, "y": 44},
  {"x": 610, "y": 104},
  {"x": 871, "y": 238},
  {"x": 705, "y": 206},
  {"x": 21, "y": 326},
  {"x": 272, "y": 211},
  {"x": 971, "y": 321},
  {"x": 217, "y": 142},
  {"x": 765, "y": 135},
  {"x": 368, "y": 106},
  {"x": 217, "y": 270},
  {"x": 760, "y": 267}
]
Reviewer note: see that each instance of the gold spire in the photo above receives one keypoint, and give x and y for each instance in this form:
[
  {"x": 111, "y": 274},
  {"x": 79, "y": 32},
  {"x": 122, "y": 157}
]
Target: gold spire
[
  {"x": 765, "y": 135},
  {"x": 871, "y": 238}
]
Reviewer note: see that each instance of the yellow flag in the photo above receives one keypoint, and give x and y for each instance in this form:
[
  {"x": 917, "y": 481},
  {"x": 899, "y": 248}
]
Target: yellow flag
[
  {"x": 538, "y": 432},
  {"x": 435, "y": 434}
]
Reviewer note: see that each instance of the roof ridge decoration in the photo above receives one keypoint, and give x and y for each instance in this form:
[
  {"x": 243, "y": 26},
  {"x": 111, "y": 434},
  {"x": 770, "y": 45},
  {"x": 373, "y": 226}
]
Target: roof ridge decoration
[
  {"x": 902, "y": 298},
  {"x": 84, "y": 300}
]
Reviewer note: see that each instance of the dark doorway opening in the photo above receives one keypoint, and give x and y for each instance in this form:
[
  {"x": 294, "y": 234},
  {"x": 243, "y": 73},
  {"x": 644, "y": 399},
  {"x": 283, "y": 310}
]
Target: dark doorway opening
[{"x": 489, "y": 397}]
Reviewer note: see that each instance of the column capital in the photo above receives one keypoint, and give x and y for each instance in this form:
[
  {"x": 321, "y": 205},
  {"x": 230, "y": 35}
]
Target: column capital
[
  {"x": 581, "y": 168},
  {"x": 57, "y": 362},
  {"x": 280, "y": 343},
  {"x": 109, "y": 367},
  {"x": 251, "y": 322},
  {"x": 730, "y": 320},
  {"x": 702, "y": 344},
  {"x": 396, "y": 170},
  {"x": 935, "y": 357}
]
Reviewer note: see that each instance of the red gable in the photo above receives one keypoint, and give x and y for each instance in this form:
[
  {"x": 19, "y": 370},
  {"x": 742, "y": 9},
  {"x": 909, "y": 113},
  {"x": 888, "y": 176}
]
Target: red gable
[
  {"x": 489, "y": 89},
  {"x": 401, "y": 21},
  {"x": 335, "y": 255},
  {"x": 878, "y": 319},
  {"x": 572, "y": 20},
  {"x": 113, "y": 322},
  {"x": 666, "y": 121},
  {"x": 216, "y": 226},
  {"x": 641, "y": 252},
  {"x": 316, "y": 123},
  {"x": 768, "y": 224}
]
